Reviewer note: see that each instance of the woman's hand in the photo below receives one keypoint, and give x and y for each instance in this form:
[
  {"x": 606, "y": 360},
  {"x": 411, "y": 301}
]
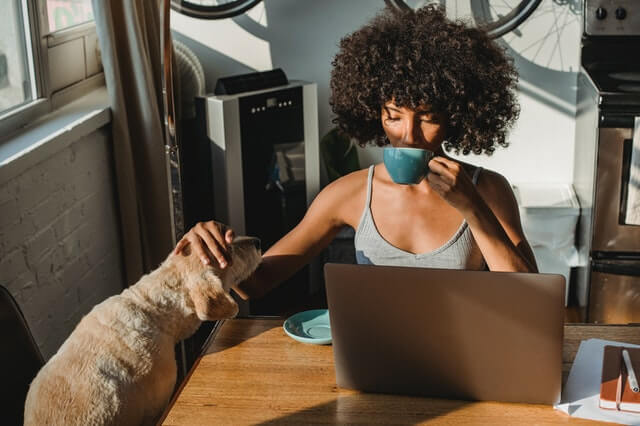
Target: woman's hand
[
  {"x": 449, "y": 179},
  {"x": 208, "y": 240}
]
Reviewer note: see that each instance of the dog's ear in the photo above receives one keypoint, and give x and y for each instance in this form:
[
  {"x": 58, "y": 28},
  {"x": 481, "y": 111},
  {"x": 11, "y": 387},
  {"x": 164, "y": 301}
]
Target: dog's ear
[{"x": 210, "y": 300}]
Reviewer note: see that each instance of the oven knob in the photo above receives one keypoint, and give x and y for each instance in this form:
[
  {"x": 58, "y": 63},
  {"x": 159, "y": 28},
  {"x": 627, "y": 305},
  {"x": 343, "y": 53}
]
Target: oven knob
[
  {"x": 601, "y": 13},
  {"x": 621, "y": 13}
]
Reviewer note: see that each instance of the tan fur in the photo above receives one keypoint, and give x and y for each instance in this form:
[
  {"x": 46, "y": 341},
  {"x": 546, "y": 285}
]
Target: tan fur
[{"x": 118, "y": 365}]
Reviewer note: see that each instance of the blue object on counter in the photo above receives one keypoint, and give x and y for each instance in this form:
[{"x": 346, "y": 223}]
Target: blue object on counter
[{"x": 309, "y": 327}]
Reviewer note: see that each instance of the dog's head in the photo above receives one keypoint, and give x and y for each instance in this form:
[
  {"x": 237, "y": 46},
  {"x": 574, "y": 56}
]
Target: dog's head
[{"x": 208, "y": 285}]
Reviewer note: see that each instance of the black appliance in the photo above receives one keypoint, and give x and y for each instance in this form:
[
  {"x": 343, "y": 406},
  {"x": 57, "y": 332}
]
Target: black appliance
[{"x": 264, "y": 172}]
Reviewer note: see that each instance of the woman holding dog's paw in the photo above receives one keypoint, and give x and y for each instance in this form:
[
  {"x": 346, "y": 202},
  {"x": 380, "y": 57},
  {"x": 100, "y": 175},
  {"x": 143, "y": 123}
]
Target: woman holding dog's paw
[{"x": 409, "y": 79}]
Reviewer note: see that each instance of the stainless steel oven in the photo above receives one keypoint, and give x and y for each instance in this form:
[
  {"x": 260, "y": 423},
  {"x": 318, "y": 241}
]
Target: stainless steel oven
[
  {"x": 607, "y": 162},
  {"x": 615, "y": 227}
]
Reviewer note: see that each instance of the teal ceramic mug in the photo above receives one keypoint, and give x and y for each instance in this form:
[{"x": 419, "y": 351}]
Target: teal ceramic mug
[{"x": 407, "y": 166}]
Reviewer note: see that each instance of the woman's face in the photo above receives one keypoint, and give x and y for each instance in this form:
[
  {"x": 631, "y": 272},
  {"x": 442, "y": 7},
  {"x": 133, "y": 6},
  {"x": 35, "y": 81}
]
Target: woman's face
[{"x": 417, "y": 128}]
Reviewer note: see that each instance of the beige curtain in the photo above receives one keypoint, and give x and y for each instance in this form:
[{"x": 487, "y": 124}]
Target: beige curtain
[{"x": 129, "y": 33}]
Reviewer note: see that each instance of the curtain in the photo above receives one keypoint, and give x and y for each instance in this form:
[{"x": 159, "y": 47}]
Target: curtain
[{"x": 129, "y": 35}]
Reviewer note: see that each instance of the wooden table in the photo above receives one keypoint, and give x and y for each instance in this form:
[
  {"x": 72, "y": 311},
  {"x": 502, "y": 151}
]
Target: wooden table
[{"x": 251, "y": 372}]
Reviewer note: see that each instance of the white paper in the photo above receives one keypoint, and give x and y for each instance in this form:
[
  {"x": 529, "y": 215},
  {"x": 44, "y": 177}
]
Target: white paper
[{"x": 581, "y": 393}]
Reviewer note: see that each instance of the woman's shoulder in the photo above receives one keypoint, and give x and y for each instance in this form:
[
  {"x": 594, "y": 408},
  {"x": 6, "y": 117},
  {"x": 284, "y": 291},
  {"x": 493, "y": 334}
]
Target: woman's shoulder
[
  {"x": 345, "y": 196},
  {"x": 490, "y": 181},
  {"x": 494, "y": 188},
  {"x": 485, "y": 179},
  {"x": 350, "y": 183}
]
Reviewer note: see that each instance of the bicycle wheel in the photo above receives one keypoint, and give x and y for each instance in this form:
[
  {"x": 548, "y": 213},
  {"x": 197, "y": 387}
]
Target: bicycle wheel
[
  {"x": 212, "y": 9},
  {"x": 496, "y": 17}
]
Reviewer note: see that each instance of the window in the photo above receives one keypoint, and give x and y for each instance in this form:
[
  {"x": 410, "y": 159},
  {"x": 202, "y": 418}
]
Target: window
[
  {"x": 16, "y": 75},
  {"x": 63, "y": 14},
  {"x": 49, "y": 55}
]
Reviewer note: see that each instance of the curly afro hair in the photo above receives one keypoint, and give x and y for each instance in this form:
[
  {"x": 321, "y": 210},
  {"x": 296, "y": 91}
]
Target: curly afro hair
[{"x": 421, "y": 58}]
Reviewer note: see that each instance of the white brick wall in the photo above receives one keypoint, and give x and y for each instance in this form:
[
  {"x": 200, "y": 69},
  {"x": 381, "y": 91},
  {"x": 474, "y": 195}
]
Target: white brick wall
[{"x": 59, "y": 238}]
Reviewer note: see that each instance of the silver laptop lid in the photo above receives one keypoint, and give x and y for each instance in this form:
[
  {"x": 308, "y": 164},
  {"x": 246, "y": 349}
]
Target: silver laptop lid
[{"x": 471, "y": 335}]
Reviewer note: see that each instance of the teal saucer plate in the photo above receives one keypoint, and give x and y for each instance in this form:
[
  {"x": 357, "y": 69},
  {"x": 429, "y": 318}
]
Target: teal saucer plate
[{"x": 309, "y": 327}]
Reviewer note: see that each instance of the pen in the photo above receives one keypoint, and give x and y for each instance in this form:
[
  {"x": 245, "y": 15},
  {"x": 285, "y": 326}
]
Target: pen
[{"x": 633, "y": 381}]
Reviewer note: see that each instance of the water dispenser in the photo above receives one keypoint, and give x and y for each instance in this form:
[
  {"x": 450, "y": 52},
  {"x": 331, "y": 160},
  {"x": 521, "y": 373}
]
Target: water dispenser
[{"x": 265, "y": 170}]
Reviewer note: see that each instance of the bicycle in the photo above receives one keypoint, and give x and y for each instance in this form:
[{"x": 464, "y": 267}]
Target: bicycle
[{"x": 496, "y": 17}]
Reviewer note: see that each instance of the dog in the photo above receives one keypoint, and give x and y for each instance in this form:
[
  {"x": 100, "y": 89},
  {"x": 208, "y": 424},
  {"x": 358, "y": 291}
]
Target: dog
[{"x": 118, "y": 366}]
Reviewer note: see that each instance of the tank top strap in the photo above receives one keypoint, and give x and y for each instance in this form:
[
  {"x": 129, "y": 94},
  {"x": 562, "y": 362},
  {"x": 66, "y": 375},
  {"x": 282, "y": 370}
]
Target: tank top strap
[
  {"x": 369, "y": 184},
  {"x": 476, "y": 173}
]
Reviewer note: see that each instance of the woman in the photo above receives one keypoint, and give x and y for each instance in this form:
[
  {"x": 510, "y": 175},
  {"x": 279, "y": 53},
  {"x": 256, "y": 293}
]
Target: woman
[{"x": 419, "y": 80}]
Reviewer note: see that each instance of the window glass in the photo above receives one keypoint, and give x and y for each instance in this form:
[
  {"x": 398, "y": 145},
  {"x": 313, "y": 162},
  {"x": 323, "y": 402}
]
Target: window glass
[
  {"x": 67, "y": 13},
  {"x": 16, "y": 85}
]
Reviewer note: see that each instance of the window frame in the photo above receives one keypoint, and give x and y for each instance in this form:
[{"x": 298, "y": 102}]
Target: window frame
[
  {"x": 30, "y": 110},
  {"x": 40, "y": 40}
]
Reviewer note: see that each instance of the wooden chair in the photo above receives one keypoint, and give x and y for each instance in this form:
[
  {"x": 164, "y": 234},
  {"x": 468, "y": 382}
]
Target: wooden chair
[{"x": 20, "y": 359}]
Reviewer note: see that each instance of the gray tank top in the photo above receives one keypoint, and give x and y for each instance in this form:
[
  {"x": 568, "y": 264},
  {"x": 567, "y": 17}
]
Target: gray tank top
[{"x": 460, "y": 252}]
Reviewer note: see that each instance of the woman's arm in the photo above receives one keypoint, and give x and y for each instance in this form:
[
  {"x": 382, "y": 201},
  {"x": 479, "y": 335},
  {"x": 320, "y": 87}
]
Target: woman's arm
[
  {"x": 490, "y": 210},
  {"x": 332, "y": 208},
  {"x": 293, "y": 251},
  {"x": 336, "y": 205},
  {"x": 496, "y": 227}
]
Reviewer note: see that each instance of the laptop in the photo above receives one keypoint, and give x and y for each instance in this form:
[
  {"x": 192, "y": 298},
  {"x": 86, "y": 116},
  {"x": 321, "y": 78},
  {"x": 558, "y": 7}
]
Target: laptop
[{"x": 471, "y": 335}]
